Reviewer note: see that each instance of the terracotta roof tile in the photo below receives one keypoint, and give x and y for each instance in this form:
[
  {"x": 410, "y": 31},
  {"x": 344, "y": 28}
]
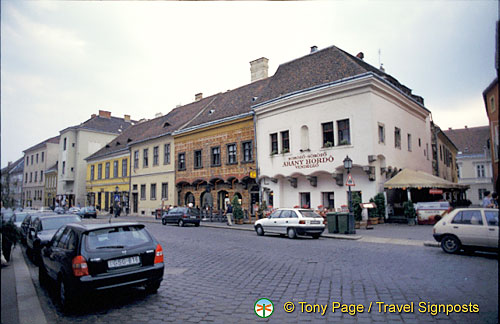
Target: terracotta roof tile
[
  {"x": 470, "y": 140},
  {"x": 54, "y": 140}
]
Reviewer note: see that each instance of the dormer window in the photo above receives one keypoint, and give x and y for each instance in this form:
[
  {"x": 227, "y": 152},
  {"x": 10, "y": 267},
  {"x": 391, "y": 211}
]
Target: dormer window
[
  {"x": 166, "y": 124},
  {"x": 129, "y": 140},
  {"x": 211, "y": 111},
  {"x": 117, "y": 143}
]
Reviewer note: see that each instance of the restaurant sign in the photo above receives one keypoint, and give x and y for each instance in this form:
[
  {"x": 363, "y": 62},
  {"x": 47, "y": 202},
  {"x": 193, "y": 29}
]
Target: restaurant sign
[{"x": 308, "y": 161}]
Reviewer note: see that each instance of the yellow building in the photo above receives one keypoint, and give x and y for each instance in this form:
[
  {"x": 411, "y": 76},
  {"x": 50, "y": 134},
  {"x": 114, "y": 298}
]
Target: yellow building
[
  {"x": 50, "y": 191},
  {"x": 108, "y": 177}
]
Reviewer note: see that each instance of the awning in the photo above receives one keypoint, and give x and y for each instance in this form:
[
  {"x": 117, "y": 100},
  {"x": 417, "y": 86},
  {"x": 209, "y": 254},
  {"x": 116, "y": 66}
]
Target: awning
[{"x": 418, "y": 179}]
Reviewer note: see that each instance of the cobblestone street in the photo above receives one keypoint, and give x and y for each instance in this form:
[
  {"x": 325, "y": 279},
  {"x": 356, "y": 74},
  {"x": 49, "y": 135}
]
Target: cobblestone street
[{"x": 215, "y": 275}]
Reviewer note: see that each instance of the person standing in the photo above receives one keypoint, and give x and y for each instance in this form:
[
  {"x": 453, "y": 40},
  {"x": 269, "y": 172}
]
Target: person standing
[
  {"x": 487, "y": 201},
  {"x": 229, "y": 214}
]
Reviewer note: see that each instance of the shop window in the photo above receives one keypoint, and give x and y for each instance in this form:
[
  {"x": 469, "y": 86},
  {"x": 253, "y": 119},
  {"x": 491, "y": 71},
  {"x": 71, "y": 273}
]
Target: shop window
[
  {"x": 285, "y": 141},
  {"x": 397, "y": 138},
  {"x": 344, "y": 133},
  {"x": 215, "y": 157},
  {"x": 231, "y": 154},
  {"x": 327, "y": 134},
  {"x": 274, "y": 143},
  {"x": 198, "y": 161}
]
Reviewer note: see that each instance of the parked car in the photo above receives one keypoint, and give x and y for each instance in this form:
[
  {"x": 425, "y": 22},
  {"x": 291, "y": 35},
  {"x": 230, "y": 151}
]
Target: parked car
[
  {"x": 73, "y": 210},
  {"x": 59, "y": 210},
  {"x": 292, "y": 222},
  {"x": 45, "y": 209},
  {"x": 84, "y": 258},
  {"x": 26, "y": 224},
  {"x": 41, "y": 231},
  {"x": 18, "y": 218},
  {"x": 431, "y": 212},
  {"x": 87, "y": 212},
  {"x": 469, "y": 229},
  {"x": 182, "y": 216}
]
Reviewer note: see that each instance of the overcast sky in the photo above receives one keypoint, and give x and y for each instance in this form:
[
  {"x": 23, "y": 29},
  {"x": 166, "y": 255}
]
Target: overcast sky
[{"x": 63, "y": 61}]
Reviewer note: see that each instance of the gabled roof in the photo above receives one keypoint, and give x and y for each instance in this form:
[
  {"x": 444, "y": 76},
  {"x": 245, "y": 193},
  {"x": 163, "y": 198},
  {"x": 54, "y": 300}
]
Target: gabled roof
[
  {"x": 17, "y": 166},
  {"x": 112, "y": 125},
  {"x": 322, "y": 67},
  {"x": 470, "y": 140},
  {"x": 53, "y": 168},
  {"x": 54, "y": 140}
]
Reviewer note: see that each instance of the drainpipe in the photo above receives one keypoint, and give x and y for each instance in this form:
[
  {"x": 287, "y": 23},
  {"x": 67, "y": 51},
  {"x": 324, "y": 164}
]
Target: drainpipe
[
  {"x": 256, "y": 156},
  {"x": 130, "y": 181}
]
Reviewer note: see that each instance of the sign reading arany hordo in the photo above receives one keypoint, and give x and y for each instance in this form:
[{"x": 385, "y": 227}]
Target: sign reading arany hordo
[{"x": 308, "y": 161}]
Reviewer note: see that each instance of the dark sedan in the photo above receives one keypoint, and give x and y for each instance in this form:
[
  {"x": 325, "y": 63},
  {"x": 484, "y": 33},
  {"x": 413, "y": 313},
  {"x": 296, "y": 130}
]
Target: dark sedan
[
  {"x": 182, "y": 216},
  {"x": 41, "y": 231},
  {"x": 84, "y": 258},
  {"x": 87, "y": 212}
]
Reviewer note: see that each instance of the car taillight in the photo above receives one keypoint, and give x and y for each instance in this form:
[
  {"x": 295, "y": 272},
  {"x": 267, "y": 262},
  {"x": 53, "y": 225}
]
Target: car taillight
[
  {"x": 79, "y": 265},
  {"x": 302, "y": 221},
  {"x": 158, "y": 254},
  {"x": 185, "y": 216}
]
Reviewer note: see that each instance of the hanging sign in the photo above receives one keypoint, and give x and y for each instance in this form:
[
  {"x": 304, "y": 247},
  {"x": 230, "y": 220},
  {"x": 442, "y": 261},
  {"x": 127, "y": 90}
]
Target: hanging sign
[
  {"x": 436, "y": 191},
  {"x": 350, "y": 181}
]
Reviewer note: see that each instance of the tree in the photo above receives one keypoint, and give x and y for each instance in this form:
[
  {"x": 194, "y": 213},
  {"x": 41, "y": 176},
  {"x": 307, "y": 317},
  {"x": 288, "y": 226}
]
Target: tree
[{"x": 237, "y": 211}]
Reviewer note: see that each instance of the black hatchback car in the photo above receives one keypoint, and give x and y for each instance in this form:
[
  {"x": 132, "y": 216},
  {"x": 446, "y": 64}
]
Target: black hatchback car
[
  {"x": 182, "y": 216},
  {"x": 85, "y": 258}
]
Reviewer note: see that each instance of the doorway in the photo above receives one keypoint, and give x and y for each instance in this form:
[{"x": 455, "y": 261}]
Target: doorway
[{"x": 135, "y": 201}]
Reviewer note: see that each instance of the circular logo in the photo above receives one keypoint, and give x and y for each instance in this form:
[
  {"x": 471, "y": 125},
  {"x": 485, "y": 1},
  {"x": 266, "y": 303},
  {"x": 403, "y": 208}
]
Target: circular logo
[{"x": 263, "y": 308}]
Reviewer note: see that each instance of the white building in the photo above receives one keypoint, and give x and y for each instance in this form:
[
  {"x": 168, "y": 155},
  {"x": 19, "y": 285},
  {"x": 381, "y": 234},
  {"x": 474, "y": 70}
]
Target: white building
[
  {"x": 473, "y": 160},
  {"x": 325, "y": 106}
]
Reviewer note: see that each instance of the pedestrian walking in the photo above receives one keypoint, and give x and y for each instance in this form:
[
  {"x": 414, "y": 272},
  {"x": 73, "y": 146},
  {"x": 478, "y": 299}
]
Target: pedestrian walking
[
  {"x": 229, "y": 214},
  {"x": 487, "y": 200}
]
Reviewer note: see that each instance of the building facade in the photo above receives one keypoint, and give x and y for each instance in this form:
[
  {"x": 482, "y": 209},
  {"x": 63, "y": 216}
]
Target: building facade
[
  {"x": 12, "y": 184},
  {"x": 77, "y": 143},
  {"x": 473, "y": 160},
  {"x": 50, "y": 186},
  {"x": 37, "y": 159},
  {"x": 328, "y": 105},
  {"x": 490, "y": 96},
  {"x": 444, "y": 155}
]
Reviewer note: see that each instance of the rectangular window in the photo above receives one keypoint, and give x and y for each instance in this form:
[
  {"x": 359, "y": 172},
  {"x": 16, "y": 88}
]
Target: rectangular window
[
  {"x": 441, "y": 152},
  {"x": 381, "y": 133},
  {"x": 27, "y": 160},
  {"x": 136, "y": 159},
  {"x": 164, "y": 190},
  {"x": 106, "y": 172},
  {"x": 327, "y": 134},
  {"x": 145, "y": 158},
  {"x": 397, "y": 138},
  {"x": 64, "y": 167},
  {"x": 479, "y": 168},
  {"x": 153, "y": 191},
  {"x": 143, "y": 191},
  {"x": 181, "y": 161},
  {"x": 492, "y": 104},
  {"x": 36, "y": 174},
  {"x": 215, "y": 156},
  {"x": 409, "y": 142},
  {"x": 26, "y": 178},
  {"x": 231, "y": 154},
  {"x": 274, "y": 143},
  {"x": 419, "y": 143},
  {"x": 64, "y": 145},
  {"x": 344, "y": 133},
  {"x": 426, "y": 152},
  {"x": 92, "y": 170},
  {"x": 166, "y": 154},
  {"x": 99, "y": 171},
  {"x": 32, "y": 160},
  {"x": 198, "y": 159},
  {"x": 248, "y": 151},
  {"x": 115, "y": 169},
  {"x": 124, "y": 168},
  {"x": 37, "y": 158},
  {"x": 134, "y": 187},
  {"x": 285, "y": 141},
  {"x": 41, "y": 176},
  {"x": 43, "y": 153},
  {"x": 155, "y": 155}
]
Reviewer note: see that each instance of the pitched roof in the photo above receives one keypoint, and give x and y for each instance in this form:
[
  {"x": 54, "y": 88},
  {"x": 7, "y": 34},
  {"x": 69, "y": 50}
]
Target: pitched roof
[
  {"x": 54, "y": 140},
  {"x": 322, "y": 67},
  {"x": 113, "y": 125},
  {"x": 17, "y": 166},
  {"x": 470, "y": 140},
  {"x": 52, "y": 168}
]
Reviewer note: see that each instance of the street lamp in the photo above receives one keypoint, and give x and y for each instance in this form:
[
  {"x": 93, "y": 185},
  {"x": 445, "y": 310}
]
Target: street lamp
[{"x": 348, "y": 166}]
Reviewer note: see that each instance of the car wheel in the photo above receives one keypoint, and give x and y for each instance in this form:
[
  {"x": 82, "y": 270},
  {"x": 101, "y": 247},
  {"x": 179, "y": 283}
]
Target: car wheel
[
  {"x": 95, "y": 216},
  {"x": 291, "y": 233},
  {"x": 43, "y": 276},
  {"x": 316, "y": 236},
  {"x": 450, "y": 244},
  {"x": 65, "y": 296},
  {"x": 181, "y": 223},
  {"x": 259, "y": 230},
  {"x": 164, "y": 221},
  {"x": 196, "y": 224},
  {"x": 152, "y": 288}
]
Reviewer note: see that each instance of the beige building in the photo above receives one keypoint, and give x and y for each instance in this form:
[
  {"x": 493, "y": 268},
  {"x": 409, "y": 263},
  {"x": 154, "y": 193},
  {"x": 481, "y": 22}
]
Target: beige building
[
  {"x": 444, "y": 155},
  {"x": 50, "y": 186},
  {"x": 77, "y": 143},
  {"x": 37, "y": 159}
]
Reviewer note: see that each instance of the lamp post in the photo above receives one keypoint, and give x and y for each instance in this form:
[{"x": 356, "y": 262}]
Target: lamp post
[{"x": 348, "y": 166}]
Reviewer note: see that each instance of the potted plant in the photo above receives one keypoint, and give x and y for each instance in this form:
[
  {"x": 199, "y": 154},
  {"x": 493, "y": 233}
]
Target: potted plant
[
  {"x": 409, "y": 212},
  {"x": 379, "y": 200},
  {"x": 328, "y": 144},
  {"x": 373, "y": 214},
  {"x": 237, "y": 211},
  {"x": 344, "y": 142},
  {"x": 285, "y": 151},
  {"x": 274, "y": 153}
]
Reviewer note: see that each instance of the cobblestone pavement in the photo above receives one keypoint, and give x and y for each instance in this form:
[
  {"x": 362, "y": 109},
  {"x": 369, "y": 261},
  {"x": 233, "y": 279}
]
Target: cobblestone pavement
[{"x": 215, "y": 275}]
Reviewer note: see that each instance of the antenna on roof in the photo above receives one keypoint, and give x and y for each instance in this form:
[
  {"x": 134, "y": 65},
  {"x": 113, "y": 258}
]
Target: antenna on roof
[{"x": 381, "y": 68}]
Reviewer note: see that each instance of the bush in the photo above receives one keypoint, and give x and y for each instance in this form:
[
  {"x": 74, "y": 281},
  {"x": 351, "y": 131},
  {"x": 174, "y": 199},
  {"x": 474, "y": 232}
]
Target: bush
[
  {"x": 379, "y": 200},
  {"x": 409, "y": 209},
  {"x": 237, "y": 211},
  {"x": 356, "y": 208}
]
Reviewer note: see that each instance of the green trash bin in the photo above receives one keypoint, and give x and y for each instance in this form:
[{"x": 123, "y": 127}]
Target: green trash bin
[
  {"x": 343, "y": 221},
  {"x": 333, "y": 222}
]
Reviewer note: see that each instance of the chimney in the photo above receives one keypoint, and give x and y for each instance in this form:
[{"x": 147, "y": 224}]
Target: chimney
[
  {"x": 465, "y": 126},
  {"x": 198, "y": 96},
  {"x": 93, "y": 115},
  {"x": 159, "y": 114},
  {"x": 258, "y": 69},
  {"x": 104, "y": 114},
  {"x": 449, "y": 128},
  {"x": 360, "y": 55},
  {"x": 314, "y": 48},
  {"x": 382, "y": 68},
  {"x": 126, "y": 118}
]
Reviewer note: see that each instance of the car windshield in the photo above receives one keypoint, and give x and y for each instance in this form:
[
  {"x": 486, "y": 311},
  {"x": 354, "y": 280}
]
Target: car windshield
[
  {"x": 90, "y": 209},
  {"x": 116, "y": 237},
  {"x": 20, "y": 216},
  {"x": 309, "y": 213},
  {"x": 51, "y": 223}
]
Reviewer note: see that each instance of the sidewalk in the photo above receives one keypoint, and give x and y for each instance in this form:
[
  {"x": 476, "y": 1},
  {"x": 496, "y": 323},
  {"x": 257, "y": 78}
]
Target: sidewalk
[
  {"x": 399, "y": 234},
  {"x": 20, "y": 303}
]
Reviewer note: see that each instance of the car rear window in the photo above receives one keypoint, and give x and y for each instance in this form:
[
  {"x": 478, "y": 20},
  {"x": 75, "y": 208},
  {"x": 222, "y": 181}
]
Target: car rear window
[
  {"x": 309, "y": 213},
  {"x": 194, "y": 211},
  {"x": 116, "y": 237},
  {"x": 51, "y": 223}
]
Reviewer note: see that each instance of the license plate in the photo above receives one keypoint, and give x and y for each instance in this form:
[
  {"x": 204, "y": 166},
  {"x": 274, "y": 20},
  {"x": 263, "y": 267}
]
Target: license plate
[
  {"x": 124, "y": 262},
  {"x": 192, "y": 216},
  {"x": 315, "y": 222}
]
